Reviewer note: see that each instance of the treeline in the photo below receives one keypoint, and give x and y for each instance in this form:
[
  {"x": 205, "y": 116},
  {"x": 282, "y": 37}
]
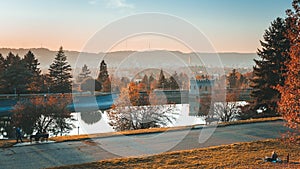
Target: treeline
[
  {"x": 144, "y": 83},
  {"x": 276, "y": 75},
  {"x": 23, "y": 75},
  {"x": 272, "y": 67}
]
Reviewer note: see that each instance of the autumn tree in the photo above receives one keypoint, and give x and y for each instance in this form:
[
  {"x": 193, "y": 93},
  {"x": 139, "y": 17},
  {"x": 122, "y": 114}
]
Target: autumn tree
[
  {"x": 133, "y": 93},
  {"x": 60, "y": 73},
  {"x": 269, "y": 69},
  {"x": 127, "y": 114},
  {"x": 43, "y": 114},
  {"x": 289, "y": 103},
  {"x": 106, "y": 86}
]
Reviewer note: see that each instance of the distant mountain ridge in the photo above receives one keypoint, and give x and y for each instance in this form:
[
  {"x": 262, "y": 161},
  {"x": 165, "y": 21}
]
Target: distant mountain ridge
[{"x": 46, "y": 56}]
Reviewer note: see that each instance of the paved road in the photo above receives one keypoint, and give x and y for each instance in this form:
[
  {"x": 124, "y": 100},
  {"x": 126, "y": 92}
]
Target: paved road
[{"x": 56, "y": 154}]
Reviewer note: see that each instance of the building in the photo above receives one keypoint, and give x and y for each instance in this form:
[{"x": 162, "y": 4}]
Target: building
[{"x": 198, "y": 89}]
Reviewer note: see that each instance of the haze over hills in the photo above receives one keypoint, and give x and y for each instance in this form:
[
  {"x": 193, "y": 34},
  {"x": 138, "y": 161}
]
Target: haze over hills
[{"x": 139, "y": 58}]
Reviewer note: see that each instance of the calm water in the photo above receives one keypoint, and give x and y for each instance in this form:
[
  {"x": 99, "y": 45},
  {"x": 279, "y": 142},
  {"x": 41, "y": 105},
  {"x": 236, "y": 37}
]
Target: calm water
[{"x": 97, "y": 122}]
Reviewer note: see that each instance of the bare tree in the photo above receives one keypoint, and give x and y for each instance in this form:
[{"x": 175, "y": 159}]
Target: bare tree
[
  {"x": 228, "y": 109},
  {"x": 127, "y": 114}
]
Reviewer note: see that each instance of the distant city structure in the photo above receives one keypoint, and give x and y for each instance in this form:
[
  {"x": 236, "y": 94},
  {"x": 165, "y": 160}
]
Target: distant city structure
[{"x": 198, "y": 89}]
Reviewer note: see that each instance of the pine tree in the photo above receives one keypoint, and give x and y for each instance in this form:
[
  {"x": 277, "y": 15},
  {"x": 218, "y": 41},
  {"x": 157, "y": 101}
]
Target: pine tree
[
  {"x": 2, "y": 63},
  {"x": 2, "y": 69},
  {"x": 85, "y": 73},
  {"x": 233, "y": 79},
  {"x": 15, "y": 76},
  {"x": 162, "y": 82},
  {"x": 60, "y": 73},
  {"x": 34, "y": 84},
  {"x": 289, "y": 104},
  {"x": 173, "y": 82},
  {"x": 103, "y": 77},
  {"x": 270, "y": 68},
  {"x": 145, "y": 80}
]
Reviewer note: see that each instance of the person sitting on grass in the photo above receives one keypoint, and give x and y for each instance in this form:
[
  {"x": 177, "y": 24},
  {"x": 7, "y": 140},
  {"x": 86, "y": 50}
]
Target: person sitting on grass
[{"x": 273, "y": 158}]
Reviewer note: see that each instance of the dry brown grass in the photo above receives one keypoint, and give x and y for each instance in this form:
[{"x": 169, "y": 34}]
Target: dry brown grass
[
  {"x": 7, "y": 143},
  {"x": 250, "y": 121},
  {"x": 240, "y": 155}
]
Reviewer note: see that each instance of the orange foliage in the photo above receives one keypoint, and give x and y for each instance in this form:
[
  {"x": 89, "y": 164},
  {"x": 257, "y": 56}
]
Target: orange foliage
[
  {"x": 289, "y": 104},
  {"x": 43, "y": 114}
]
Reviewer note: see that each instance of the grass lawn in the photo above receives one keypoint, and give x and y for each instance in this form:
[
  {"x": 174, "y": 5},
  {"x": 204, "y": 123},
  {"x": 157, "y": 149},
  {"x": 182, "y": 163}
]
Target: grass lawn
[{"x": 240, "y": 155}]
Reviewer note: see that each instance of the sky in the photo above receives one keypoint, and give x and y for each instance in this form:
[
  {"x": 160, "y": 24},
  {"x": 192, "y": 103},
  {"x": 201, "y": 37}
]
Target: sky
[{"x": 230, "y": 25}]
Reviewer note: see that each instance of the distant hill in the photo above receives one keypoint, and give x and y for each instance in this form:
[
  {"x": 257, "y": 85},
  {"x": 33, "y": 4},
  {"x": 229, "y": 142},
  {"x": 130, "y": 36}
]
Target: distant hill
[{"x": 140, "y": 59}]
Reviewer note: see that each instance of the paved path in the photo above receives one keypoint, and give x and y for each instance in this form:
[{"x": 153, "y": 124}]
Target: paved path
[{"x": 75, "y": 152}]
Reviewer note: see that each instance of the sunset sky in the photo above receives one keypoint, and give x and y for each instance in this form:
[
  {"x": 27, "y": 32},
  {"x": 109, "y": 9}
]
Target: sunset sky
[{"x": 231, "y": 25}]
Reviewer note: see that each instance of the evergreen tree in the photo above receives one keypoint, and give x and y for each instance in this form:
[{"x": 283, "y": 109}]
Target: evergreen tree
[
  {"x": 103, "y": 77},
  {"x": 32, "y": 63},
  {"x": 46, "y": 82},
  {"x": 15, "y": 75},
  {"x": 85, "y": 73},
  {"x": 233, "y": 79},
  {"x": 173, "y": 82},
  {"x": 103, "y": 74},
  {"x": 151, "y": 79},
  {"x": 2, "y": 69},
  {"x": 145, "y": 80},
  {"x": 162, "y": 82},
  {"x": 60, "y": 73},
  {"x": 269, "y": 69},
  {"x": 34, "y": 84},
  {"x": 289, "y": 104},
  {"x": 2, "y": 63}
]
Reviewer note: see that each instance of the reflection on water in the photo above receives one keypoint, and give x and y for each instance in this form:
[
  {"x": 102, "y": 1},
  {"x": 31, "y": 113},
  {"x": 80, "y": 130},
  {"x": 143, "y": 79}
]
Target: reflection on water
[
  {"x": 97, "y": 122},
  {"x": 91, "y": 117}
]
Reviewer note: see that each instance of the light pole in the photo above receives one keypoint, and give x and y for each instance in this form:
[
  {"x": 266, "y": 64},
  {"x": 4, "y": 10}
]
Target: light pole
[{"x": 78, "y": 123}]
